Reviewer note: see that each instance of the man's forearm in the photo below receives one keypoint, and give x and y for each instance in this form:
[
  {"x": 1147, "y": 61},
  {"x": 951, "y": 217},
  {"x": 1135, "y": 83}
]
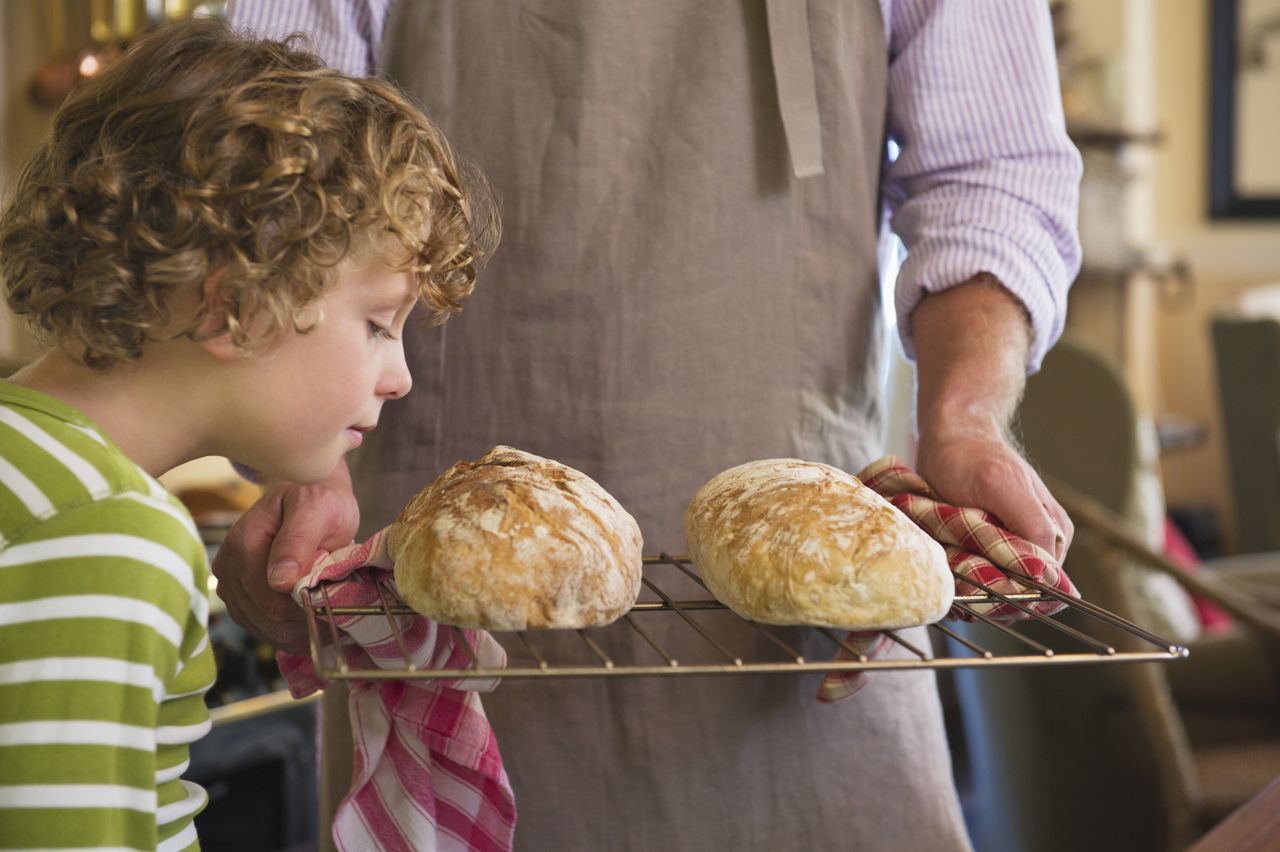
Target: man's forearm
[{"x": 971, "y": 349}]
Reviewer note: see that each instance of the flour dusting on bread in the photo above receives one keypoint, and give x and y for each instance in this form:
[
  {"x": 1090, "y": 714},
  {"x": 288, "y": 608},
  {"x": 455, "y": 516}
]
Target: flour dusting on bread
[
  {"x": 514, "y": 541},
  {"x": 785, "y": 541}
]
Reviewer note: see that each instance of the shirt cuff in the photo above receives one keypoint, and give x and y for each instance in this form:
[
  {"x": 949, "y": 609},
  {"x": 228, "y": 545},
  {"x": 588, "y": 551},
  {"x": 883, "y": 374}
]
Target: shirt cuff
[{"x": 938, "y": 263}]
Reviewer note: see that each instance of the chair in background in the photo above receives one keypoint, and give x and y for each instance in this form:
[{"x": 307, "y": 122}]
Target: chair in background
[
  {"x": 1102, "y": 756},
  {"x": 1247, "y": 352}
]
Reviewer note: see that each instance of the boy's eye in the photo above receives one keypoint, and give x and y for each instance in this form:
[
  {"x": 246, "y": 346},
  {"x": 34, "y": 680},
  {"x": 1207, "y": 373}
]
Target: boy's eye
[{"x": 379, "y": 331}]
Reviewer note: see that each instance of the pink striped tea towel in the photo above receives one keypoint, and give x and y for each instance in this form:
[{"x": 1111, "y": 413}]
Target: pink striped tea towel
[{"x": 427, "y": 773}]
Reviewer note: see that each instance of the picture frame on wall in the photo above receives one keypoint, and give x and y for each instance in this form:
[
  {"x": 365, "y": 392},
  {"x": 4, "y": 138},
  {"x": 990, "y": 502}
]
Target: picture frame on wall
[{"x": 1244, "y": 109}]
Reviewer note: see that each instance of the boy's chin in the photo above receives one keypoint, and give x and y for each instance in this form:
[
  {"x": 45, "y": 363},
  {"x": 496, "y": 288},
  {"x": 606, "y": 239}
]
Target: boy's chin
[{"x": 302, "y": 473}]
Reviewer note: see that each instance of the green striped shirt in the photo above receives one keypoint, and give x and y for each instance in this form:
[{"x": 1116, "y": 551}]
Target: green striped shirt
[{"x": 104, "y": 641}]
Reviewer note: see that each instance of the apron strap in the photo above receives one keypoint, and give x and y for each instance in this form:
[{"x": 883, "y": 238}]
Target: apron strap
[{"x": 797, "y": 88}]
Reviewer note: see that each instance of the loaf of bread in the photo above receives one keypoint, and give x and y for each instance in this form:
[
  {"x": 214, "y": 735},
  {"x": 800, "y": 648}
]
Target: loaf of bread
[
  {"x": 514, "y": 541},
  {"x": 784, "y": 541}
]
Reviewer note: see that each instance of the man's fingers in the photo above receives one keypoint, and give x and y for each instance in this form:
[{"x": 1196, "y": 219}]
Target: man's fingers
[
  {"x": 269, "y": 616},
  {"x": 283, "y": 574},
  {"x": 1064, "y": 529},
  {"x": 1039, "y": 528},
  {"x": 1063, "y": 520},
  {"x": 990, "y": 474},
  {"x": 292, "y": 552},
  {"x": 320, "y": 518},
  {"x": 1016, "y": 495},
  {"x": 273, "y": 545},
  {"x": 294, "y": 549},
  {"x": 279, "y": 623},
  {"x": 293, "y": 639}
]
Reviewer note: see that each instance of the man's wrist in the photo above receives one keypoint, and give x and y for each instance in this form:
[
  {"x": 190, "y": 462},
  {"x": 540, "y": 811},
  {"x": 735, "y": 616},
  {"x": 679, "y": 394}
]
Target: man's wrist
[
  {"x": 971, "y": 346},
  {"x": 965, "y": 416}
]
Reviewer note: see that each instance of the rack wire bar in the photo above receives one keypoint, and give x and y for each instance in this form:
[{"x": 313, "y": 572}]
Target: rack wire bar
[
  {"x": 792, "y": 652},
  {"x": 466, "y": 646},
  {"x": 737, "y": 661},
  {"x": 671, "y": 661},
  {"x": 985, "y": 653},
  {"x": 333, "y": 631},
  {"x": 1039, "y": 616},
  {"x": 1043, "y": 650},
  {"x": 596, "y": 649},
  {"x": 1095, "y": 611},
  {"x": 844, "y": 646},
  {"x": 894, "y": 637},
  {"x": 395, "y": 628},
  {"x": 699, "y": 621},
  {"x": 542, "y": 663}
]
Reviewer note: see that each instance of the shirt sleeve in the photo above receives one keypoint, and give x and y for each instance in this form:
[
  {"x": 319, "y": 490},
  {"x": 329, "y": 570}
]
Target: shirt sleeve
[
  {"x": 345, "y": 33},
  {"x": 986, "y": 179},
  {"x": 98, "y": 624}
]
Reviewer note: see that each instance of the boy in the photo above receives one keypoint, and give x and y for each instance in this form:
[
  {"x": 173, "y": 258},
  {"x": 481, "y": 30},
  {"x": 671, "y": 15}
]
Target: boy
[{"x": 221, "y": 241}]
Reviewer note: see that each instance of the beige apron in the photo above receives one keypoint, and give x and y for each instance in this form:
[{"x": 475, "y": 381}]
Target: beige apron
[{"x": 670, "y": 299}]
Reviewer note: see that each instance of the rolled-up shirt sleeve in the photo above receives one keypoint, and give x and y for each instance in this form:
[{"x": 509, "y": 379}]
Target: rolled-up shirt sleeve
[
  {"x": 986, "y": 179},
  {"x": 345, "y": 33}
]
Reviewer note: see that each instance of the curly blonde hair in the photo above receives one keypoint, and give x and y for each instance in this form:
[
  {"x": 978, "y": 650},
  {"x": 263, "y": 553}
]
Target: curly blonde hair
[{"x": 203, "y": 151}]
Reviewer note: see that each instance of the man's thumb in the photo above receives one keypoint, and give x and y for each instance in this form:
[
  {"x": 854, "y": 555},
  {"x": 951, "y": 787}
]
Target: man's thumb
[
  {"x": 292, "y": 554},
  {"x": 284, "y": 574}
]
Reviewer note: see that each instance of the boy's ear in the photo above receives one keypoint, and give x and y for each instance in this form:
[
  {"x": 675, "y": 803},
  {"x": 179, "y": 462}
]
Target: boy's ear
[{"x": 211, "y": 332}]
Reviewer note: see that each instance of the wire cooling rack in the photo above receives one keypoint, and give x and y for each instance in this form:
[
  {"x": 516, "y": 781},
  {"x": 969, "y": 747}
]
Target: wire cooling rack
[{"x": 1056, "y": 642}]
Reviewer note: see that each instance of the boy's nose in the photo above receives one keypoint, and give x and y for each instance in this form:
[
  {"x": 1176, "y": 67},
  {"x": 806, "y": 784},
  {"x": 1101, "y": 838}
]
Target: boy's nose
[{"x": 396, "y": 380}]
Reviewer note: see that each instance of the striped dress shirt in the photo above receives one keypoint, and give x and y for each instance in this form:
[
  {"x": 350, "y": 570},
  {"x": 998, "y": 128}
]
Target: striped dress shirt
[
  {"x": 985, "y": 178},
  {"x": 104, "y": 646}
]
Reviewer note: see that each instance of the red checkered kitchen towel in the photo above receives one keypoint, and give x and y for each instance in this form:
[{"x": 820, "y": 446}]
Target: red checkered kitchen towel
[
  {"x": 977, "y": 548},
  {"x": 427, "y": 773}
]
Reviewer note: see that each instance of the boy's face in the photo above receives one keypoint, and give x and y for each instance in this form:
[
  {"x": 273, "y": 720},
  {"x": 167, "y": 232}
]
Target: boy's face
[{"x": 317, "y": 394}]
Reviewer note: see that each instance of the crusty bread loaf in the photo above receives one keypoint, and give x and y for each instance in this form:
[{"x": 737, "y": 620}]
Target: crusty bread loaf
[
  {"x": 784, "y": 541},
  {"x": 513, "y": 541}
]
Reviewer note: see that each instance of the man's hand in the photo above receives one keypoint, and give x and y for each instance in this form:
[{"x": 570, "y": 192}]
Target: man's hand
[
  {"x": 971, "y": 345},
  {"x": 273, "y": 545},
  {"x": 989, "y": 473}
]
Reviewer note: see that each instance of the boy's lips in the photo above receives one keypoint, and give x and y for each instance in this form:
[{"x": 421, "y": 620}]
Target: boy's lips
[{"x": 356, "y": 433}]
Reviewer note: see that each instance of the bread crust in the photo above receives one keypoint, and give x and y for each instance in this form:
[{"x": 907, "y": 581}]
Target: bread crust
[
  {"x": 514, "y": 541},
  {"x": 784, "y": 541}
]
